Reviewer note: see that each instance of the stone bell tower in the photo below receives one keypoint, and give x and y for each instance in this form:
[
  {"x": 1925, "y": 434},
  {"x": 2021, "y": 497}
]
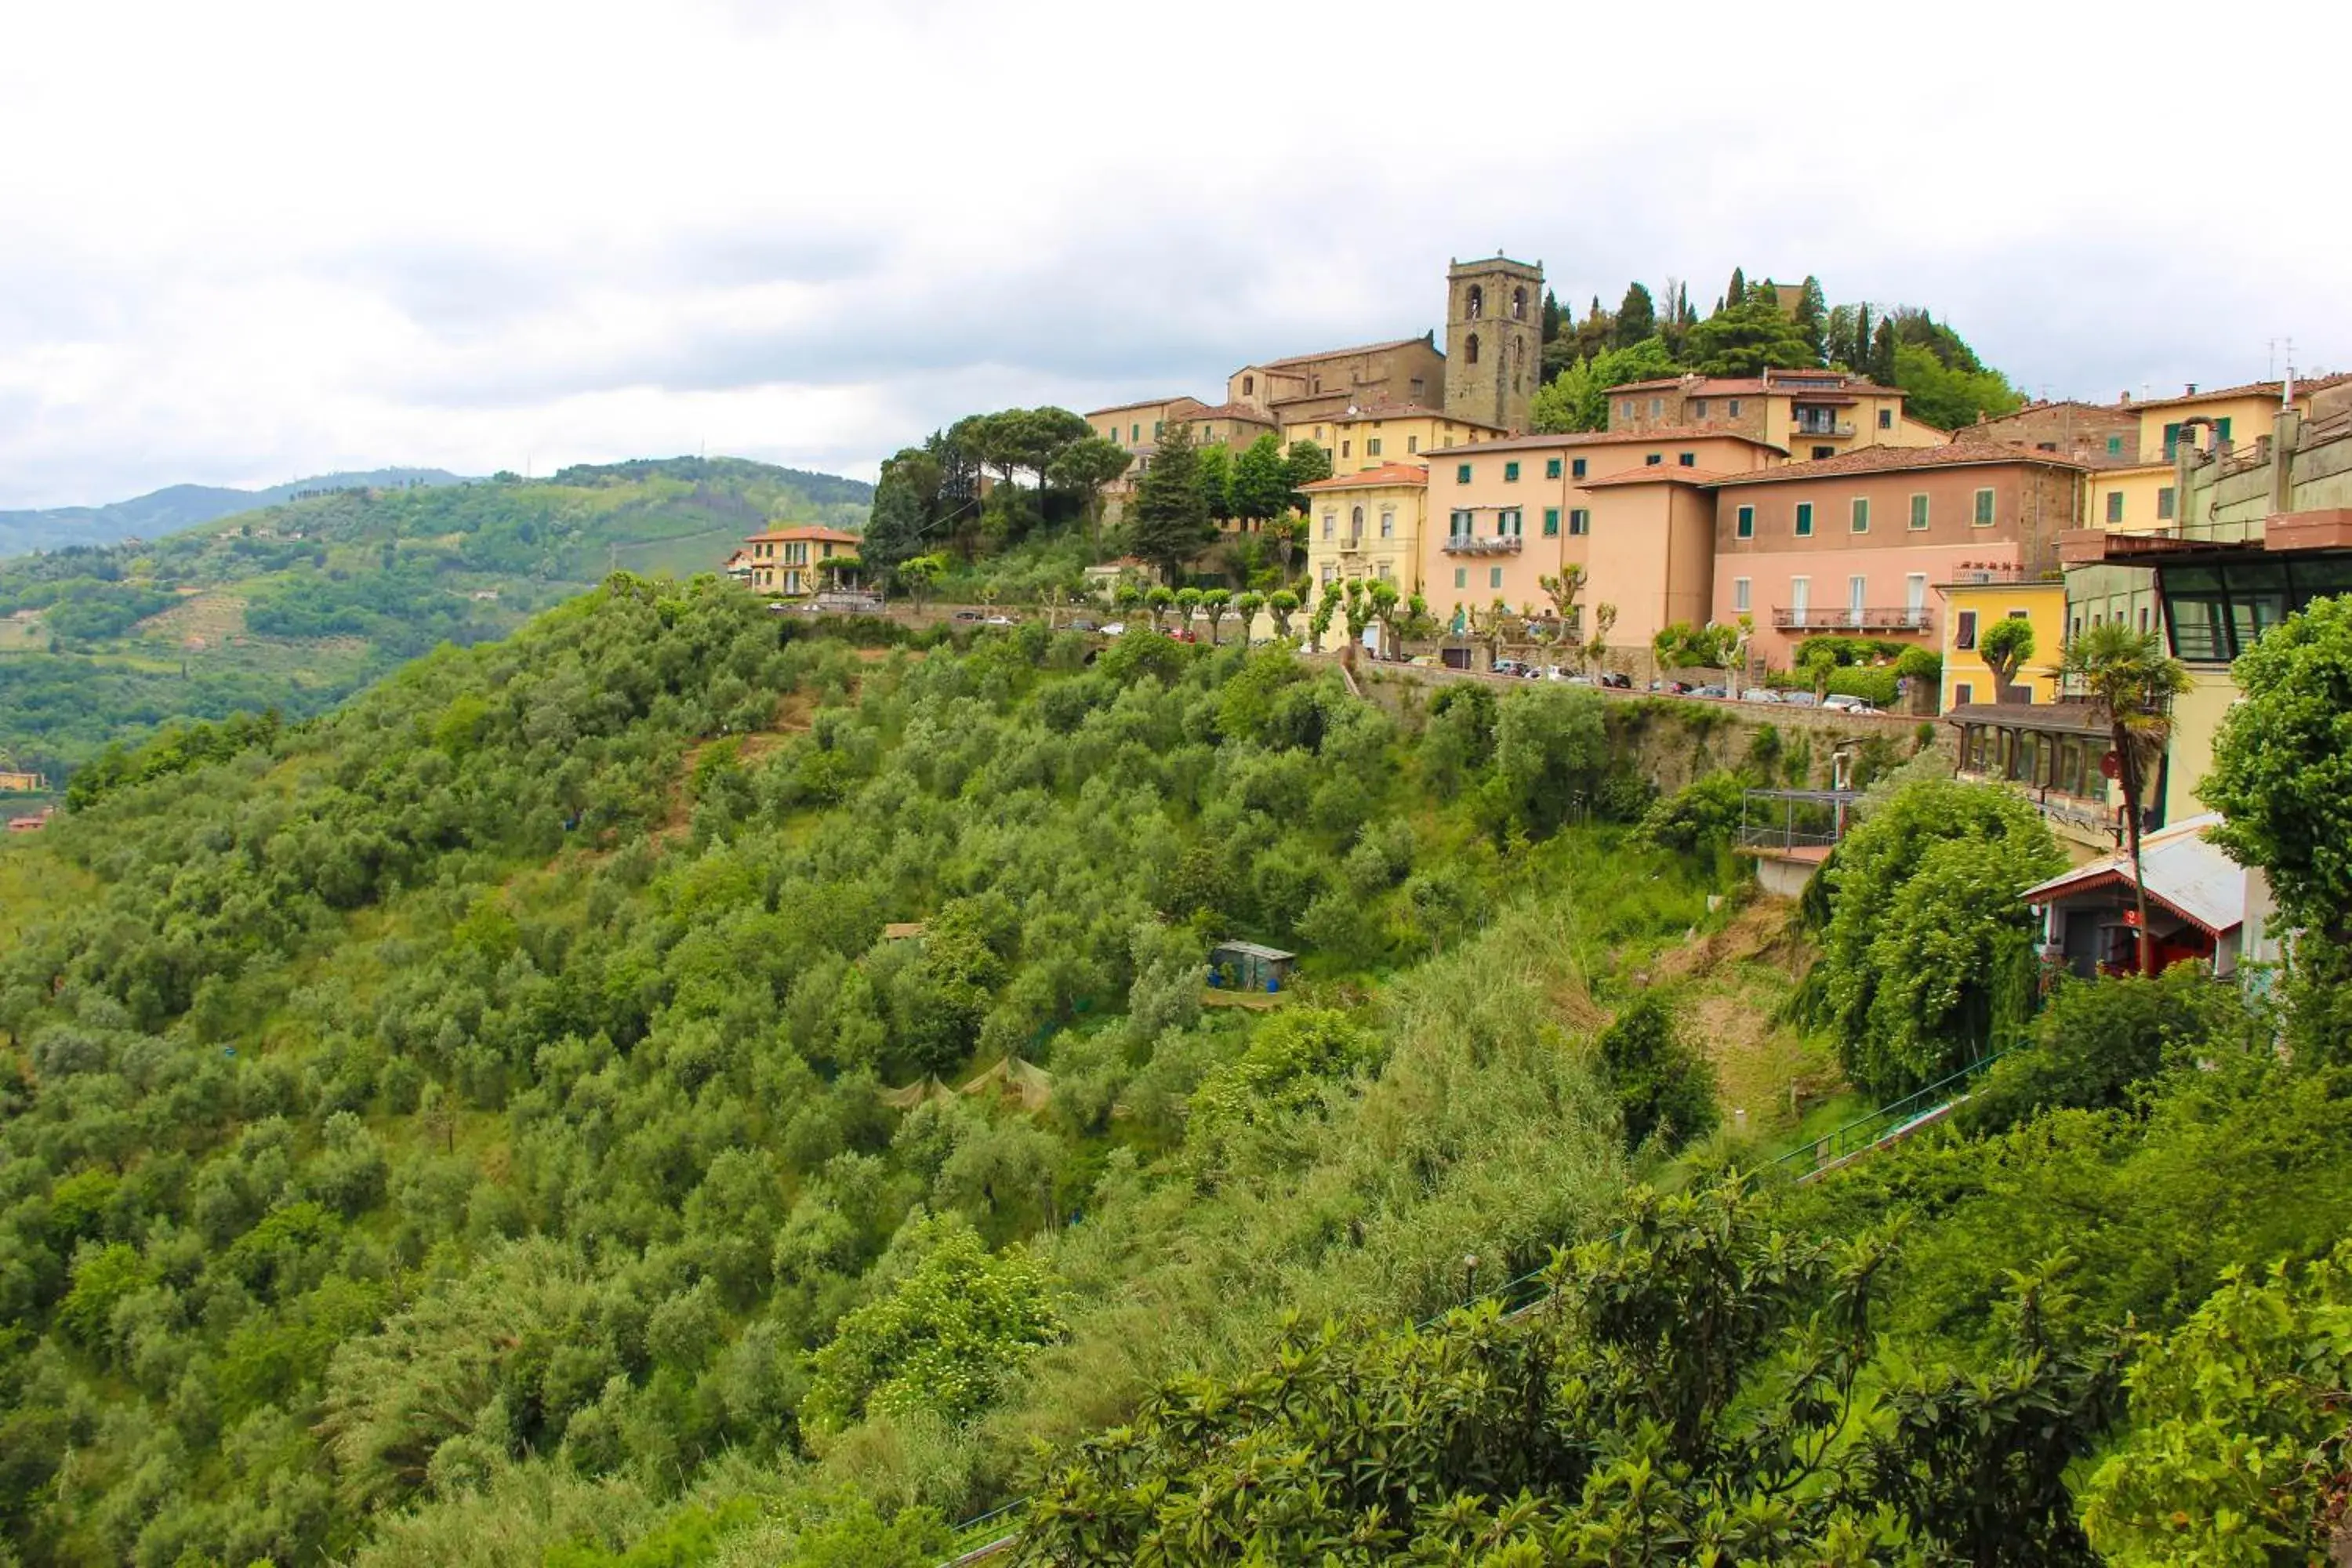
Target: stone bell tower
[{"x": 1494, "y": 339}]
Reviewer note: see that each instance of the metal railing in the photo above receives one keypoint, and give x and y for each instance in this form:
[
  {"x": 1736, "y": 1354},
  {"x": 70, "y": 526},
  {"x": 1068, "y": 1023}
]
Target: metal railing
[
  {"x": 1889, "y": 1122},
  {"x": 1840, "y": 428},
  {"x": 1871, "y": 618},
  {"x": 1471, "y": 544}
]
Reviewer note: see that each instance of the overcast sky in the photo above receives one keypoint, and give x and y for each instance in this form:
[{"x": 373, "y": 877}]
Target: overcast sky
[{"x": 243, "y": 242}]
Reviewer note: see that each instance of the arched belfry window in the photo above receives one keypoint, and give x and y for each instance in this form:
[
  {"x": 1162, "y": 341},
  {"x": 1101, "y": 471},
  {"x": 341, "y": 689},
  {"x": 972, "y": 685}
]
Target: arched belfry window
[
  {"x": 1518, "y": 304},
  {"x": 1470, "y": 349},
  {"x": 1475, "y": 306}
]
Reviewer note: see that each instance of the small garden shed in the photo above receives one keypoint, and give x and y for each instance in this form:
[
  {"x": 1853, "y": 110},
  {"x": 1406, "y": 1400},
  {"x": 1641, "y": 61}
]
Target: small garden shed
[{"x": 1247, "y": 966}]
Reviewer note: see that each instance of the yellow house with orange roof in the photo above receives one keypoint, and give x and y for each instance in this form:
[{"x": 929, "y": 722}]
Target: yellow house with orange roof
[
  {"x": 1362, "y": 438},
  {"x": 784, "y": 561},
  {"x": 1367, "y": 525}
]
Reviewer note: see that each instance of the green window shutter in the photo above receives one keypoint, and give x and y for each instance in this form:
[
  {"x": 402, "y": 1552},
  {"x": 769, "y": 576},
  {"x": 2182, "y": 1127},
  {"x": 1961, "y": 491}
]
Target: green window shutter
[
  {"x": 2114, "y": 446},
  {"x": 1804, "y": 519},
  {"x": 1576, "y": 468},
  {"x": 1579, "y": 521},
  {"x": 1461, "y": 473},
  {"x": 1551, "y": 467},
  {"x": 1494, "y": 576},
  {"x": 2221, "y": 427},
  {"x": 2114, "y": 506},
  {"x": 1747, "y": 522},
  {"x": 1984, "y": 509},
  {"x": 1510, "y": 473},
  {"x": 1551, "y": 522},
  {"x": 1462, "y": 576},
  {"x": 2171, "y": 441},
  {"x": 1919, "y": 511},
  {"x": 1862, "y": 514}
]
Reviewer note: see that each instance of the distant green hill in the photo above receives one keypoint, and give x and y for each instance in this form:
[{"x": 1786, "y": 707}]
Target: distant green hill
[
  {"x": 295, "y": 605},
  {"x": 176, "y": 507}
]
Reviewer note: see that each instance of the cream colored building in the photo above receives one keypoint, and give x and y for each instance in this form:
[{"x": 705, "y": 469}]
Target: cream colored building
[
  {"x": 1302, "y": 386},
  {"x": 1138, "y": 427},
  {"x": 1234, "y": 424},
  {"x": 783, "y": 560},
  {"x": 1367, "y": 525},
  {"x": 1361, "y": 438}
]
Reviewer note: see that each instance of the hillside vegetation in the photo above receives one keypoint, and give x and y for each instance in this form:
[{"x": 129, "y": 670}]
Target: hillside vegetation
[
  {"x": 297, "y": 606},
  {"x": 494, "y": 1123}
]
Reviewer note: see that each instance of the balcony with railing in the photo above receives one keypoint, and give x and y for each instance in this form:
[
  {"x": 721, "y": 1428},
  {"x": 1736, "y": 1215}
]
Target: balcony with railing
[
  {"x": 1847, "y": 618},
  {"x": 1819, "y": 429},
  {"x": 1472, "y": 545}
]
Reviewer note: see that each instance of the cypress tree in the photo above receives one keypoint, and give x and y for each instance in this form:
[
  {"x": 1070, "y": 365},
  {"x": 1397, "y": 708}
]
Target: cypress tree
[
  {"x": 1738, "y": 291},
  {"x": 1637, "y": 318}
]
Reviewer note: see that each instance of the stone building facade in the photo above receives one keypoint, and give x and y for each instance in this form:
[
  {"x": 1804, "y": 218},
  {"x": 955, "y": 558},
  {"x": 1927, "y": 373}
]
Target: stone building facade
[{"x": 1494, "y": 339}]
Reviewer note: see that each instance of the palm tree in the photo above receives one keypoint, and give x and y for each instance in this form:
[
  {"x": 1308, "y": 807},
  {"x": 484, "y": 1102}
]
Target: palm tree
[{"x": 2129, "y": 674}]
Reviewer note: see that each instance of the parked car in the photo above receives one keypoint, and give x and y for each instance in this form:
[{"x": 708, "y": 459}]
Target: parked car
[
  {"x": 1511, "y": 667},
  {"x": 1799, "y": 699},
  {"x": 1082, "y": 623},
  {"x": 1115, "y": 628},
  {"x": 970, "y": 617},
  {"x": 1714, "y": 691},
  {"x": 1759, "y": 694},
  {"x": 1617, "y": 679},
  {"x": 1849, "y": 705},
  {"x": 998, "y": 621}
]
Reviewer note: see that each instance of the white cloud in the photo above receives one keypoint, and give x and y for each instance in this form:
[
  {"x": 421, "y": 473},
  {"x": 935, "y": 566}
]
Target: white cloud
[{"x": 248, "y": 240}]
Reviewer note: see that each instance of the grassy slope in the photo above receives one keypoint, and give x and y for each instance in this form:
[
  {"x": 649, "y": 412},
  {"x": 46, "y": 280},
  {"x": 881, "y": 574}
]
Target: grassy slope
[{"x": 202, "y": 658}]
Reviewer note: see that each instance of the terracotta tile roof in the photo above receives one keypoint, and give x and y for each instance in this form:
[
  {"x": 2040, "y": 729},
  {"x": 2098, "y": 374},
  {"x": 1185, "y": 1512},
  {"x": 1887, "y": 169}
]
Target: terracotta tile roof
[
  {"x": 803, "y": 532},
  {"x": 2117, "y": 410},
  {"x": 1233, "y": 411},
  {"x": 2251, "y": 389},
  {"x": 1658, "y": 473},
  {"x": 1386, "y": 474},
  {"x": 1606, "y": 438},
  {"x": 1290, "y": 360},
  {"x": 1900, "y": 460},
  {"x": 1142, "y": 402},
  {"x": 1787, "y": 384}
]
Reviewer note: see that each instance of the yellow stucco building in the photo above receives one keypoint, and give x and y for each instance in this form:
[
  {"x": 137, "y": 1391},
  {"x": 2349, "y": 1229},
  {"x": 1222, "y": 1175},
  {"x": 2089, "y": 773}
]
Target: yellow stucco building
[
  {"x": 784, "y": 561},
  {"x": 1362, "y": 438},
  {"x": 1810, "y": 414},
  {"x": 1368, "y": 524},
  {"x": 1973, "y": 605}
]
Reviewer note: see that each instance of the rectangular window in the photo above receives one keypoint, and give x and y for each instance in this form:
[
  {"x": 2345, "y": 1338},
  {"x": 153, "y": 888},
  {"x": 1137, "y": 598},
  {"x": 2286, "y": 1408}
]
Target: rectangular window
[
  {"x": 1135, "y": 434},
  {"x": 1805, "y": 520},
  {"x": 1506, "y": 524},
  {"x": 2114, "y": 506},
  {"x": 1462, "y": 576},
  {"x": 1698, "y": 407},
  {"x": 1964, "y": 693},
  {"x": 1731, "y": 408},
  {"x": 1159, "y": 428},
  {"x": 1412, "y": 445},
  {"x": 1862, "y": 514},
  {"x": 1626, "y": 409},
  {"x": 1919, "y": 511},
  {"x": 1886, "y": 419},
  {"x": 1653, "y": 459},
  {"x": 1800, "y": 599},
  {"x": 1461, "y": 473},
  {"x": 1551, "y": 467},
  {"x": 2164, "y": 504},
  {"x": 2114, "y": 446},
  {"x": 1494, "y": 576},
  {"x": 1746, "y": 525},
  {"x": 1510, "y": 473},
  {"x": 1330, "y": 571},
  {"x": 1740, "y": 589},
  {"x": 2171, "y": 441},
  {"x": 1387, "y": 523},
  {"x": 1372, "y": 445},
  {"x": 1984, "y": 509},
  {"x": 1343, "y": 447},
  {"x": 1963, "y": 634},
  {"x": 1551, "y": 522},
  {"x": 2221, "y": 427},
  {"x": 1460, "y": 525},
  {"x": 1857, "y": 595},
  {"x": 1330, "y": 521},
  {"x": 1576, "y": 468},
  {"x": 1579, "y": 521},
  {"x": 1687, "y": 459}
]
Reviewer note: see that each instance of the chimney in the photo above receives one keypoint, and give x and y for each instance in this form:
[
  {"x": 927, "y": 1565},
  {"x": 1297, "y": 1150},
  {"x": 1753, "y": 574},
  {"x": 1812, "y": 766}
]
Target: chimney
[
  {"x": 2191, "y": 392},
  {"x": 2123, "y": 399}
]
